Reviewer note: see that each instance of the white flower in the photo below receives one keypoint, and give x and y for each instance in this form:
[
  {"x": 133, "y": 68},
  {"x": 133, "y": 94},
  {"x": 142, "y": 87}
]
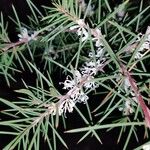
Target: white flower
[
  {"x": 144, "y": 46},
  {"x": 89, "y": 71},
  {"x": 78, "y": 76},
  {"x": 146, "y": 147},
  {"x": 92, "y": 67},
  {"x": 89, "y": 68},
  {"x": 69, "y": 83},
  {"x": 84, "y": 33},
  {"x": 77, "y": 95},
  {"x": 100, "y": 64},
  {"x": 117, "y": 76},
  {"x": 126, "y": 84},
  {"x": 81, "y": 29},
  {"x": 24, "y": 35},
  {"x": 97, "y": 37},
  {"x": 90, "y": 64},
  {"x": 99, "y": 53},
  {"x": 90, "y": 84},
  {"x": 66, "y": 105},
  {"x": 127, "y": 108},
  {"x": 82, "y": 97},
  {"x": 74, "y": 93}
]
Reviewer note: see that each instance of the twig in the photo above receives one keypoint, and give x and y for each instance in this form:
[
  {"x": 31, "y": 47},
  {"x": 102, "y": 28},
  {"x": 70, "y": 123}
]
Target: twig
[{"x": 138, "y": 95}]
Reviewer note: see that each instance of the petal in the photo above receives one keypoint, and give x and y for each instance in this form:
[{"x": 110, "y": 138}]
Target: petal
[{"x": 74, "y": 27}]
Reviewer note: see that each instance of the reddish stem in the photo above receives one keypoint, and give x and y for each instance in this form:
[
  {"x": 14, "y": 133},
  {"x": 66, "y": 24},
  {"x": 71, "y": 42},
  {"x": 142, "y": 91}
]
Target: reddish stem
[{"x": 138, "y": 95}]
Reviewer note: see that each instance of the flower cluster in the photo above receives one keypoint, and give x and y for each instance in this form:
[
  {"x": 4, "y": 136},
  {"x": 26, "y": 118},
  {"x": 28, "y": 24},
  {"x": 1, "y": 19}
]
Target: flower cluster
[
  {"x": 131, "y": 86},
  {"x": 75, "y": 87},
  {"x": 24, "y": 35},
  {"x": 127, "y": 108},
  {"x": 145, "y": 45},
  {"x": 83, "y": 79},
  {"x": 127, "y": 87}
]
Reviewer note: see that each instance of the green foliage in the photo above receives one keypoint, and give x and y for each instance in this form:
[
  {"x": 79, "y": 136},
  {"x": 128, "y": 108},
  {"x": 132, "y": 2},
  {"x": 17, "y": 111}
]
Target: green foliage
[{"x": 49, "y": 48}]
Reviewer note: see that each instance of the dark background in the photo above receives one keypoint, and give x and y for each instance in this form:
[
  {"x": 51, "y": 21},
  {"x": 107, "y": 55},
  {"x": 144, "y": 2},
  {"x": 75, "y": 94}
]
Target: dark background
[{"x": 109, "y": 139}]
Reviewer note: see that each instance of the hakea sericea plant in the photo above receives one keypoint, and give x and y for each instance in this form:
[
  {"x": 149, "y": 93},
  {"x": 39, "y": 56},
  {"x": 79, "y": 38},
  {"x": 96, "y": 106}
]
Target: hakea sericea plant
[
  {"x": 84, "y": 77},
  {"x": 83, "y": 80},
  {"x": 43, "y": 107},
  {"x": 139, "y": 99},
  {"x": 24, "y": 38},
  {"x": 130, "y": 83}
]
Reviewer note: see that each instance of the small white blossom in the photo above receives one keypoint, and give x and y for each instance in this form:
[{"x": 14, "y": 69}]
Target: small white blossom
[
  {"x": 127, "y": 108},
  {"x": 66, "y": 105},
  {"x": 24, "y": 35},
  {"x": 99, "y": 53},
  {"x": 91, "y": 68},
  {"x": 145, "y": 46},
  {"x": 81, "y": 29},
  {"x": 74, "y": 93},
  {"x": 84, "y": 33},
  {"x": 97, "y": 37},
  {"x": 78, "y": 76},
  {"x": 118, "y": 76},
  {"x": 146, "y": 147},
  {"x": 82, "y": 97},
  {"x": 77, "y": 95},
  {"x": 88, "y": 70},
  {"x": 126, "y": 84},
  {"x": 69, "y": 83},
  {"x": 92, "y": 85},
  {"x": 100, "y": 64},
  {"x": 90, "y": 64},
  {"x": 134, "y": 97}
]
